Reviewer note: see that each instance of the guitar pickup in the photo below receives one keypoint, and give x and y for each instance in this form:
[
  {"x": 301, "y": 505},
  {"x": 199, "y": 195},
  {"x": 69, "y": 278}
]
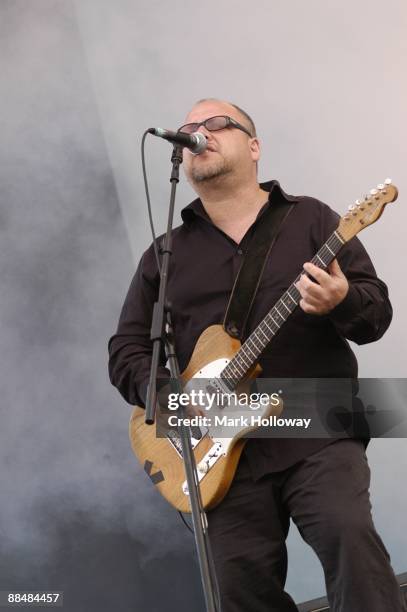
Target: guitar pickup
[{"x": 196, "y": 435}]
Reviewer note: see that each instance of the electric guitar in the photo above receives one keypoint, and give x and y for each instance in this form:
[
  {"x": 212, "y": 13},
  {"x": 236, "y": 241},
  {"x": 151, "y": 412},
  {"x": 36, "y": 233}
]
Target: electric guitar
[{"x": 229, "y": 366}]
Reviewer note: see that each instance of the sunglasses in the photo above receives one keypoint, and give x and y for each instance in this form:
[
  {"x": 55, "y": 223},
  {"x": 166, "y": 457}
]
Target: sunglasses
[{"x": 214, "y": 124}]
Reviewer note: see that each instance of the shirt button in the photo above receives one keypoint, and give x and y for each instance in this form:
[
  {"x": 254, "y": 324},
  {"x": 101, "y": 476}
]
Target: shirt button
[{"x": 239, "y": 252}]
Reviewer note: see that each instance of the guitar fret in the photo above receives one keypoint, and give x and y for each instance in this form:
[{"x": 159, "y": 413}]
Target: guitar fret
[
  {"x": 254, "y": 354},
  {"x": 261, "y": 343},
  {"x": 245, "y": 359},
  {"x": 274, "y": 321},
  {"x": 229, "y": 378},
  {"x": 236, "y": 365},
  {"x": 339, "y": 238},
  {"x": 291, "y": 297},
  {"x": 265, "y": 335},
  {"x": 321, "y": 260},
  {"x": 229, "y": 368},
  {"x": 241, "y": 373},
  {"x": 290, "y": 311},
  {"x": 268, "y": 326},
  {"x": 257, "y": 348},
  {"x": 241, "y": 369},
  {"x": 240, "y": 355},
  {"x": 326, "y": 255},
  {"x": 278, "y": 312}
]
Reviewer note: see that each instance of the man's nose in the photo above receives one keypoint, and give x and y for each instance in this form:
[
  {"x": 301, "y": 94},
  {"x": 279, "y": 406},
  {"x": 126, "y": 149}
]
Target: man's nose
[{"x": 205, "y": 132}]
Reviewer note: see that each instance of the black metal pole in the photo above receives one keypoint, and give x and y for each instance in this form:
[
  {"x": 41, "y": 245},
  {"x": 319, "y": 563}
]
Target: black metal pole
[
  {"x": 159, "y": 336},
  {"x": 157, "y": 324}
]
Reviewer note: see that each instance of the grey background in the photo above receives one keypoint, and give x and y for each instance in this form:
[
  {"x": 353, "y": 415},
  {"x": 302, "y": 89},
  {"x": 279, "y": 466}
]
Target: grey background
[{"x": 325, "y": 83}]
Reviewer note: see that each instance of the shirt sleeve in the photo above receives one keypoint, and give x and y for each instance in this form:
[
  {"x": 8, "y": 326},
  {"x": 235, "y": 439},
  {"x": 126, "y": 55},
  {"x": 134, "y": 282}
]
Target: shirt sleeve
[
  {"x": 365, "y": 313},
  {"x": 130, "y": 348}
]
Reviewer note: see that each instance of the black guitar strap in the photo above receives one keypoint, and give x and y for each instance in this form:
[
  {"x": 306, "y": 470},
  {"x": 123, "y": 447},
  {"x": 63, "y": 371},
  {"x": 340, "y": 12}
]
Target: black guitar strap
[{"x": 248, "y": 278}]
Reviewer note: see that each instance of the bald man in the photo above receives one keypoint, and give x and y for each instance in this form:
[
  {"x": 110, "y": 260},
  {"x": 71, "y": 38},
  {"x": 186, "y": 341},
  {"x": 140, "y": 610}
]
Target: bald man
[{"x": 321, "y": 484}]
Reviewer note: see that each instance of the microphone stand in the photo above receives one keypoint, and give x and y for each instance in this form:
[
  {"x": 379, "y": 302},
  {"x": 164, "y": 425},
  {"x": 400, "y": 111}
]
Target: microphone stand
[{"x": 160, "y": 336}]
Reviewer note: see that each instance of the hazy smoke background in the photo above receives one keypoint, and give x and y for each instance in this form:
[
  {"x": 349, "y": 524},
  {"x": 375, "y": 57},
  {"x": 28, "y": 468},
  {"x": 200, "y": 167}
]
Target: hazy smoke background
[{"x": 79, "y": 83}]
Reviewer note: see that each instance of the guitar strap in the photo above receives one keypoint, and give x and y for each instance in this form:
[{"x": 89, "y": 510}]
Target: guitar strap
[{"x": 249, "y": 276}]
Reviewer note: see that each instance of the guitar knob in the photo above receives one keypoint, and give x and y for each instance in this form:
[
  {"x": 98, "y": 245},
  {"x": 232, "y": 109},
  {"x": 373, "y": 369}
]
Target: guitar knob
[{"x": 203, "y": 467}]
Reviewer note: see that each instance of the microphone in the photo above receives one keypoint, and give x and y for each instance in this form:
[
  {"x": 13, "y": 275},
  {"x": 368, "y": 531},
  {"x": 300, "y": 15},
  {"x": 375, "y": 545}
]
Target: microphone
[{"x": 195, "y": 142}]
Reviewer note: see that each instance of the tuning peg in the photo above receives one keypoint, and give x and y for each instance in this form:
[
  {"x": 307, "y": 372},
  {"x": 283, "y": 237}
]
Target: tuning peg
[
  {"x": 387, "y": 181},
  {"x": 380, "y": 186},
  {"x": 358, "y": 202},
  {"x": 373, "y": 191},
  {"x": 351, "y": 207}
]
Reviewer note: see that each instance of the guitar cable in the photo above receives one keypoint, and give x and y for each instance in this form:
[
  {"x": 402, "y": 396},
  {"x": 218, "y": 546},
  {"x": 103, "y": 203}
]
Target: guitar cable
[
  {"x": 184, "y": 520},
  {"x": 150, "y": 213}
]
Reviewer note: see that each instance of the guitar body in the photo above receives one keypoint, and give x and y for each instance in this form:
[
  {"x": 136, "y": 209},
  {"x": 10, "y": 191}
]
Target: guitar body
[{"x": 162, "y": 461}]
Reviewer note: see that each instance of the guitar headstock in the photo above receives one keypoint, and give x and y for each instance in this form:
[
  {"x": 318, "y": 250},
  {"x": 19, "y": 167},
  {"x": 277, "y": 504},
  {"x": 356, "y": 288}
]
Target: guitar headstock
[{"x": 365, "y": 212}]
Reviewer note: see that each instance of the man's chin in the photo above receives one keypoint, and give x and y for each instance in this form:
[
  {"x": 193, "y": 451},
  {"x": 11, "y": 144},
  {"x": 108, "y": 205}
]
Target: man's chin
[
  {"x": 201, "y": 175},
  {"x": 204, "y": 178}
]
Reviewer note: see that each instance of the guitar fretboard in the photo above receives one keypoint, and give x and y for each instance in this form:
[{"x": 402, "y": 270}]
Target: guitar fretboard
[{"x": 255, "y": 344}]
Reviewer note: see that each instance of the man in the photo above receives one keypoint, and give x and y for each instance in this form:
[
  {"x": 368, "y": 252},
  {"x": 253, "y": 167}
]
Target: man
[{"x": 322, "y": 485}]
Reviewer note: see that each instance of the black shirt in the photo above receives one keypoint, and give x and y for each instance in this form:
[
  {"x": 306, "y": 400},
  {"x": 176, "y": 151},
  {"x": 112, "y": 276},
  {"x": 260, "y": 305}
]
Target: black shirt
[{"x": 203, "y": 267}]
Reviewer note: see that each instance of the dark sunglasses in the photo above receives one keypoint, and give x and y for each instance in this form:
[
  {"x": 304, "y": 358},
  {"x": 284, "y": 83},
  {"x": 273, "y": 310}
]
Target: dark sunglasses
[{"x": 214, "y": 124}]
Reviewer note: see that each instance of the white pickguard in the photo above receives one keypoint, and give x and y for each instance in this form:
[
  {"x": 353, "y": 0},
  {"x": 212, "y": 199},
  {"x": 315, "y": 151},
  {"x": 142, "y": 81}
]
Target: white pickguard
[
  {"x": 212, "y": 371},
  {"x": 221, "y": 445}
]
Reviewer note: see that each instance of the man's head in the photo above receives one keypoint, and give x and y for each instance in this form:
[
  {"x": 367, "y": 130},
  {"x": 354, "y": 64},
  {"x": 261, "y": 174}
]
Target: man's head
[{"x": 232, "y": 152}]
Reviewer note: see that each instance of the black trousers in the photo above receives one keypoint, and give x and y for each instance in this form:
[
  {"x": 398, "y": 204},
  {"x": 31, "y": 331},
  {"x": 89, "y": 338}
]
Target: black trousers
[{"x": 327, "y": 497}]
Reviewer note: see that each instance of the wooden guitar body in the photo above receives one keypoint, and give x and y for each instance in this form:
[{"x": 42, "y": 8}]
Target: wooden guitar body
[{"x": 161, "y": 460}]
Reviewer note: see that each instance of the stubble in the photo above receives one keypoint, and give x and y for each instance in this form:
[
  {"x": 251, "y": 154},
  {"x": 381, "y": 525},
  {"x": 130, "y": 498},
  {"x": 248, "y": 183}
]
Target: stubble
[{"x": 201, "y": 173}]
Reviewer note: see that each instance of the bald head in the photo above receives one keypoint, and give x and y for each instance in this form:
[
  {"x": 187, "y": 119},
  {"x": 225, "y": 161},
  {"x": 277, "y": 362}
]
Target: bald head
[{"x": 245, "y": 118}]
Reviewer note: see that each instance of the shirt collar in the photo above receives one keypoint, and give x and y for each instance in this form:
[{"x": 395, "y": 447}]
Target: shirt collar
[{"x": 196, "y": 208}]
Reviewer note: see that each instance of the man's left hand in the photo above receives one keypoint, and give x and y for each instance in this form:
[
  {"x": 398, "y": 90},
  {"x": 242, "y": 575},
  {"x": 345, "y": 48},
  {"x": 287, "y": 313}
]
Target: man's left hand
[{"x": 322, "y": 296}]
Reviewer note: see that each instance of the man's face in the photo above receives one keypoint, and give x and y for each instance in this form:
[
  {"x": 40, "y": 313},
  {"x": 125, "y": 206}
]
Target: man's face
[{"x": 229, "y": 150}]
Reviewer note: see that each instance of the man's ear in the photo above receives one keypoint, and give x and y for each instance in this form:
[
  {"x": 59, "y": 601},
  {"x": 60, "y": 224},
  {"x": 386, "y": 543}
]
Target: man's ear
[{"x": 254, "y": 146}]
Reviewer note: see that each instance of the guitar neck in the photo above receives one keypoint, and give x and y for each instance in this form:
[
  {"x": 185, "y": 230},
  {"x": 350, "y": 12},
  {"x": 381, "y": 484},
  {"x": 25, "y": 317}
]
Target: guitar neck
[{"x": 253, "y": 347}]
